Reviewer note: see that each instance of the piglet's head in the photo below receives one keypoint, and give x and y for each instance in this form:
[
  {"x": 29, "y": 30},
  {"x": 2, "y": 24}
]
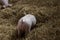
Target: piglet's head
[{"x": 22, "y": 27}]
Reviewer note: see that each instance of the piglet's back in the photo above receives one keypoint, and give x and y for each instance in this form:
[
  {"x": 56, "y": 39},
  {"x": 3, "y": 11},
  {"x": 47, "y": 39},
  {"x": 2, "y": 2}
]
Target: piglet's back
[{"x": 29, "y": 19}]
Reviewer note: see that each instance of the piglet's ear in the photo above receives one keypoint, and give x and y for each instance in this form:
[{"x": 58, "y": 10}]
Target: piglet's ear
[{"x": 22, "y": 21}]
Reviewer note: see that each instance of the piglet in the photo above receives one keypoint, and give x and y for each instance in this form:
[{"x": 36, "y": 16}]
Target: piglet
[
  {"x": 5, "y": 3},
  {"x": 26, "y": 23}
]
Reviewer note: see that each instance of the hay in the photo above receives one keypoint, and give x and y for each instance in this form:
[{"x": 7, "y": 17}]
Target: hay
[{"x": 47, "y": 15}]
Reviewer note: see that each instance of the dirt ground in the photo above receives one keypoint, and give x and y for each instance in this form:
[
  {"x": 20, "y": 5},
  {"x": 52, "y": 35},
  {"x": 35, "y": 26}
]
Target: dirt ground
[{"x": 46, "y": 12}]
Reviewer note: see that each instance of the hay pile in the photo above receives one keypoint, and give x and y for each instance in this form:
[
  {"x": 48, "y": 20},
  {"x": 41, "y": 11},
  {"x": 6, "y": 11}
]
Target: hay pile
[{"x": 47, "y": 15}]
